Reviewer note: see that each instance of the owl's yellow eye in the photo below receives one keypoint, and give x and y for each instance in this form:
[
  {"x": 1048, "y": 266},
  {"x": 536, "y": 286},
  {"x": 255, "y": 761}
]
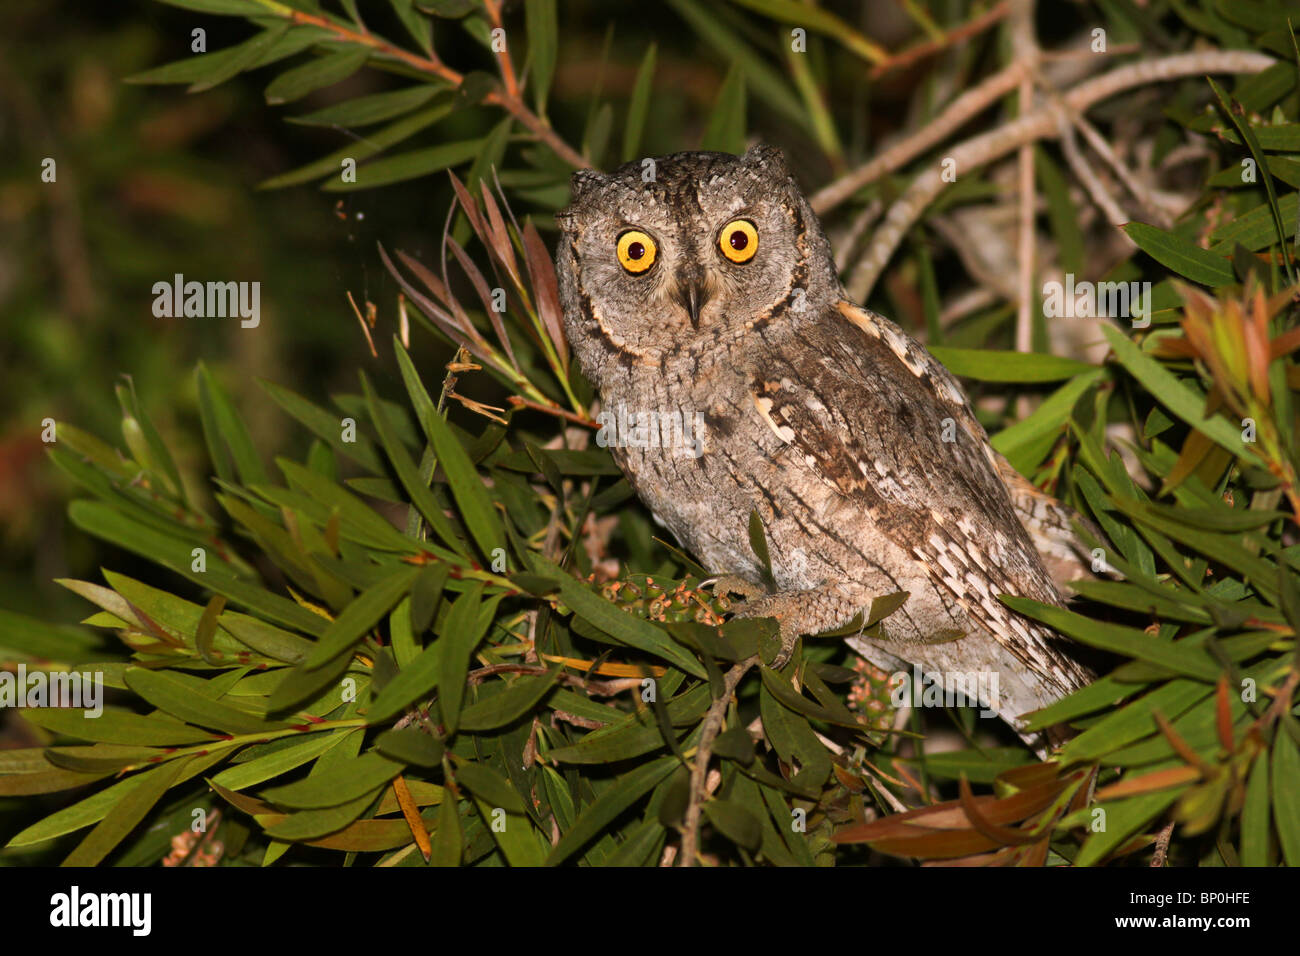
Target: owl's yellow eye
[
  {"x": 636, "y": 251},
  {"x": 738, "y": 240}
]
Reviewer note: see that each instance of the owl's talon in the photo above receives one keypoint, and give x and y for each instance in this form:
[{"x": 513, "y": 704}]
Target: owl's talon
[{"x": 724, "y": 584}]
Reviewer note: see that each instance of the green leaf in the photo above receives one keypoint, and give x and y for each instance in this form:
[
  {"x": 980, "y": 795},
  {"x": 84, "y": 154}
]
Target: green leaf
[
  {"x": 197, "y": 68},
  {"x": 375, "y": 108},
  {"x": 767, "y": 82},
  {"x": 1285, "y": 785},
  {"x": 488, "y": 785},
  {"x": 211, "y": 69},
  {"x": 346, "y": 630},
  {"x": 327, "y": 425},
  {"x": 1172, "y": 393},
  {"x": 1251, "y": 138},
  {"x": 272, "y": 765},
  {"x": 1061, "y": 212},
  {"x": 466, "y": 623},
  {"x": 93, "y": 808},
  {"x": 226, "y": 432},
  {"x": 639, "y": 104},
  {"x": 635, "y": 734},
  {"x": 622, "y": 626},
  {"x": 127, "y": 813},
  {"x": 725, "y": 131},
  {"x": 114, "y": 725},
  {"x": 325, "y": 71},
  {"x": 978, "y": 766},
  {"x": 1255, "y": 815},
  {"x": 52, "y": 642},
  {"x": 466, "y": 486},
  {"x": 420, "y": 27},
  {"x": 1183, "y": 257},
  {"x": 541, "y": 24},
  {"x": 412, "y": 165},
  {"x": 413, "y": 682},
  {"x": 425, "y": 597},
  {"x": 447, "y": 840},
  {"x": 1257, "y": 228},
  {"x": 986, "y": 365},
  {"x": 1177, "y": 656},
  {"x": 264, "y": 638},
  {"x": 408, "y": 474},
  {"x": 508, "y": 705},
  {"x": 1133, "y": 721},
  {"x": 358, "y": 150},
  {"x": 613, "y": 800},
  {"x": 1123, "y": 819},
  {"x": 355, "y": 516},
  {"x": 177, "y": 698},
  {"x": 311, "y": 824},
  {"x": 735, "y": 823},
  {"x": 51, "y": 779},
  {"x": 345, "y": 781},
  {"x": 238, "y": 8},
  {"x": 1050, "y": 416},
  {"x": 411, "y": 746}
]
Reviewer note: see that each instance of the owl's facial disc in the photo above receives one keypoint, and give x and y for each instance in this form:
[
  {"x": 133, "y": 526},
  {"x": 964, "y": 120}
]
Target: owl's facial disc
[{"x": 668, "y": 255}]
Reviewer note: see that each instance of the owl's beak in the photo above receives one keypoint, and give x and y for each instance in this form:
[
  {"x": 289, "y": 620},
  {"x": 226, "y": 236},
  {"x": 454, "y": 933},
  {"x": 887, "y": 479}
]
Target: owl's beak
[{"x": 692, "y": 295}]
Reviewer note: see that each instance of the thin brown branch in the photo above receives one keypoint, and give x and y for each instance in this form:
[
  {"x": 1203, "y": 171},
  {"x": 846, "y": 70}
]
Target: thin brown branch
[
  {"x": 1095, "y": 188},
  {"x": 431, "y": 65},
  {"x": 556, "y": 410},
  {"x": 1026, "y": 50},
  {"x": 1162, "y": 846},
  {"x": 493, "y": 8},
  {"x": 930, "y": 47},
  {"x": 365, "y": 326},
  {"x": 1039, "y": 124},
  {"x": 709, "y": 731},
  {"x": 949, "y": 121}
]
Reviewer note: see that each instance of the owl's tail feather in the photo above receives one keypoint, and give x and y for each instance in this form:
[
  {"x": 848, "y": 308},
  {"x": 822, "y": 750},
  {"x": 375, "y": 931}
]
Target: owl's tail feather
[
  {"x": 1050, "y": 523},
  {"x": 1018, "y": 692}
]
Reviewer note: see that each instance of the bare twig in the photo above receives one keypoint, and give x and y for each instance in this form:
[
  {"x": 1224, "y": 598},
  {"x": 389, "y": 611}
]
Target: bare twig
[
  {"x": 506, "y": 97},
  {"x": 958, "y": 112},
  {"x": 1162, "y": 846},
  {"x": 587, "y": 422},
  {"x": 861, "y": 223},
  {"x": 493, "y": 8},
  {"x": 1126, "y": 175},
  {"x": 1107, "y": 203},
  {"x": 930, "y": 47},
  {"x": 1026, "y": 51},
  {"x": 709, "y": 731},
  {"x": 1039, "y": 124}
]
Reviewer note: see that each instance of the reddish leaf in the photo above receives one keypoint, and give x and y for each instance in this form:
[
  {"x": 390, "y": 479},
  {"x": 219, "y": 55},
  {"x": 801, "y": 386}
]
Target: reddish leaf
[{"x": 547, "y": 290}]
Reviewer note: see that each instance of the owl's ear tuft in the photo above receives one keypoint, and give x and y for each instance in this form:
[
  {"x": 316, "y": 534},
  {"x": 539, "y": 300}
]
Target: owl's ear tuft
[
  {"x": 585, "y": 181},
  {"x": 768, "y": 158}
]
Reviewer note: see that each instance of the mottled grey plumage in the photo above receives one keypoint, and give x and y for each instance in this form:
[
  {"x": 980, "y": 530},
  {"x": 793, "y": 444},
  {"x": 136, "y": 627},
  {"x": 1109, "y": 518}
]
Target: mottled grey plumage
[{"x": 856, "y": 447}]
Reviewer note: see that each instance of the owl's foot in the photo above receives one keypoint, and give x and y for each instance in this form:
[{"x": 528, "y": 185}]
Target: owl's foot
[
  {"x": 785, "y": 609},
  {"x": 725, "y": 584},
  {"x": 796, "y": 612}
]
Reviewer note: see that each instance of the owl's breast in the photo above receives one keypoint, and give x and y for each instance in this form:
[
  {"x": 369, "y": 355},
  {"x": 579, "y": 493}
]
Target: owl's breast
[{"x": 705, "y": 462}]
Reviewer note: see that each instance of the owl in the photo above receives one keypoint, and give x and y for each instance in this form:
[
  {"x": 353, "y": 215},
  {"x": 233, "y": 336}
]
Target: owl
[{"x": 701, "y": 299}]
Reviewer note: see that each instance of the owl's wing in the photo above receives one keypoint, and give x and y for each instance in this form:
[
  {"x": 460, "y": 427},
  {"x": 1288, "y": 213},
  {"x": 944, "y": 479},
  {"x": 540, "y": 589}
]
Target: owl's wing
[{"x": 878, "y": 418}]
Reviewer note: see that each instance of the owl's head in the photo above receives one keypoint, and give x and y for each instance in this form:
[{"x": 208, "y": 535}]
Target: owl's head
[{"x": 683, "y": 250}]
